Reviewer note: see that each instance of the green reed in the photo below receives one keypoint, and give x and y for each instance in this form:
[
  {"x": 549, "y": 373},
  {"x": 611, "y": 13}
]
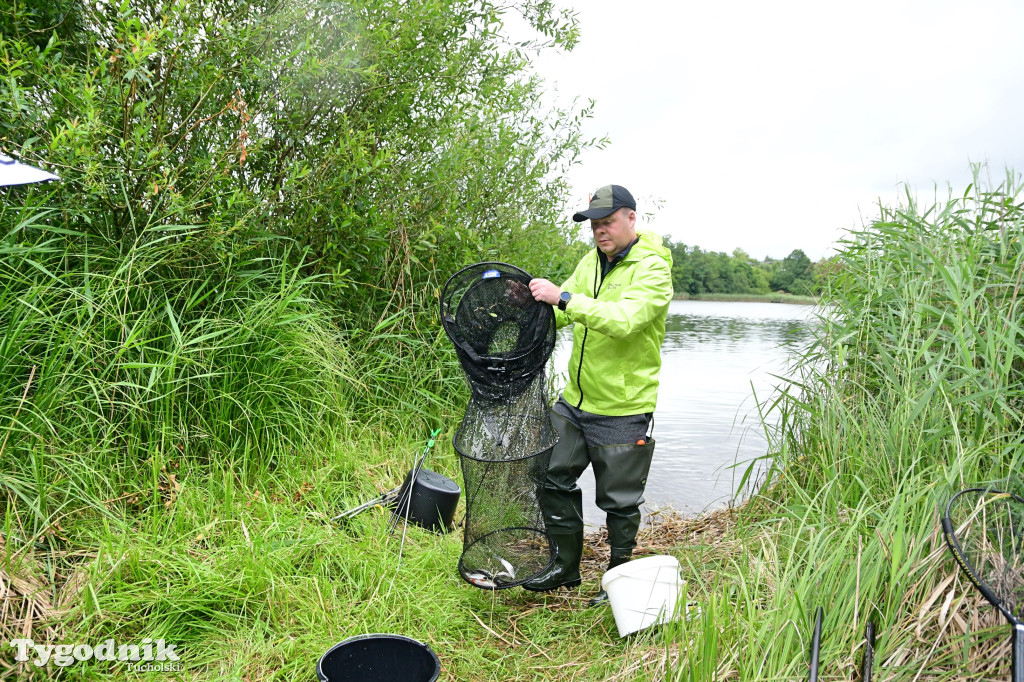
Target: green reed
[
  {"x": 911, "y": 391},
  {"x": 120, "y": 358}
]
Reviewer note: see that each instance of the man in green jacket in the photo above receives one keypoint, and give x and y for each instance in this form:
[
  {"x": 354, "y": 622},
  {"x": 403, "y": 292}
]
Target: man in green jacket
[{"x": 618, "y": 299}]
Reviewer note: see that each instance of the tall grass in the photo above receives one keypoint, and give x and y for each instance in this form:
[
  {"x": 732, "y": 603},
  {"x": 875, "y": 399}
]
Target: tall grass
[
  {"x": 121, "y": 358},
  {"x": 912, "y": 391},
  {"x": 172, "y": 421}
]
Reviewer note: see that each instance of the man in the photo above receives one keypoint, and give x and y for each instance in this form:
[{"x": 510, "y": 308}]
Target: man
[{"x": 618, "y": 299}]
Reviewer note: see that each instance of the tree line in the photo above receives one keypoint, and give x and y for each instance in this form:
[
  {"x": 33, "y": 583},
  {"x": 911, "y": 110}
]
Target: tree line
[{"x": 696, "y": 271}]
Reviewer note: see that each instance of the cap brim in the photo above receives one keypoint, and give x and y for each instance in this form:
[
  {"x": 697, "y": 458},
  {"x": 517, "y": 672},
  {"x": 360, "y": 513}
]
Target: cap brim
[
  {"x": 594, "y": 214},
  {"x": 15, "y": 173}
]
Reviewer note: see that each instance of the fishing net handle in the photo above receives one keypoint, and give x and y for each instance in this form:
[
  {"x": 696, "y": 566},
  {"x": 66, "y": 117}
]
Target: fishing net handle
[{"x": 955, "y": 548}]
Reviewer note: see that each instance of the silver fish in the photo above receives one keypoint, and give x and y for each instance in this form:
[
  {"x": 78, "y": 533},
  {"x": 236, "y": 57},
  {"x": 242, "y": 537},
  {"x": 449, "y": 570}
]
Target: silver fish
[
  {"x": 509, "y": 572},
  {"x": 482, "y": 579}
]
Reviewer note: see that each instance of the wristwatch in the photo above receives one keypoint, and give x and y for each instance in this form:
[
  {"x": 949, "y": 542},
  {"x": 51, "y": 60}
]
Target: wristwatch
[{"x": 563, "y": 300}]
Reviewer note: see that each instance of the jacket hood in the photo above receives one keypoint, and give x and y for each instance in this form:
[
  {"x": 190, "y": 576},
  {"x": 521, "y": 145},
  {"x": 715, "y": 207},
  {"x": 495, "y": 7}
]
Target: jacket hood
[{"x": 650, "y": 243}]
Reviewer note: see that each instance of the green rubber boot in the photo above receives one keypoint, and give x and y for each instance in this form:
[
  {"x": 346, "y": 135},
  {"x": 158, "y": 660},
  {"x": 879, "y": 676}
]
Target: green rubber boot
[
  {"x": 602, "y": 596},
  {"x": 566, "y": 570},
  {"x": 621, "y": 475},
  {"x": 561, "y": 501}
]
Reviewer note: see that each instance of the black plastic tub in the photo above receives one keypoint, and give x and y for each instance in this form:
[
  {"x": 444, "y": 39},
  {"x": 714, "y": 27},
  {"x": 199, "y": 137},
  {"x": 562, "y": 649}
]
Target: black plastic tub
[
  {"x": 432, "y": 502},
  {"x": 379, "y": 658}
]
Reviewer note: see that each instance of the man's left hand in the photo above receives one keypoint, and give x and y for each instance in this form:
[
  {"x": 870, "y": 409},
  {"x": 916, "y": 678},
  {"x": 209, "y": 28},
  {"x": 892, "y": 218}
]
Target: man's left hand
[
  {"x": 545, "y": 291},
  {"x": 517, "y": 294}
]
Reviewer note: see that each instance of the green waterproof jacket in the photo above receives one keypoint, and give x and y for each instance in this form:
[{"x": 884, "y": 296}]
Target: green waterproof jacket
[{"x": 619, "y": 326}]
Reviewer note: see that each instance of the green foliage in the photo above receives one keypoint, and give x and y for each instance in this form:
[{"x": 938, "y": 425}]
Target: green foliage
[
  {"x": 35, "y": 21},
  {"x": 118, "y": 359},
  {"x": 923, "y": 334},
  {"x": 697, "y": 272},
  {"x": 259, "y": 204},
  {"x": 912, "y": 391},
  {"x": 396, "y": 141},
  {"x": 794, "y": 274},
  {"x": 389, "y": 143}
]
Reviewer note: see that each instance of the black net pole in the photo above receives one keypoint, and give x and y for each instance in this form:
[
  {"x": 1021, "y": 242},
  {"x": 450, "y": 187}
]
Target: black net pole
[{"x": 503, "y": 339}]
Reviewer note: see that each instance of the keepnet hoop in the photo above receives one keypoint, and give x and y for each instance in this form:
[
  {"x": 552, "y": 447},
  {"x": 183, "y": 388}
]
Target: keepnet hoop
[{"x": 503, "y": 339}]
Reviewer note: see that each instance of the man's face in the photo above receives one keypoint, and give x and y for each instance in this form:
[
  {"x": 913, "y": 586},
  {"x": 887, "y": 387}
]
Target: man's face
[{"x": 615, "y": 232}]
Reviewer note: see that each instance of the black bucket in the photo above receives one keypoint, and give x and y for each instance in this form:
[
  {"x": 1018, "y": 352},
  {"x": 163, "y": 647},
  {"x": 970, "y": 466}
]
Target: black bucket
[
  {"x": 433, "y": 501},
  {"x": 379, "y": 658}
]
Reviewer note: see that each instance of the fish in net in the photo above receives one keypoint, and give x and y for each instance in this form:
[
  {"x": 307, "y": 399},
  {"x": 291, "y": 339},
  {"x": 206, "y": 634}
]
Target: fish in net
[{"x": 503, "y": 339}]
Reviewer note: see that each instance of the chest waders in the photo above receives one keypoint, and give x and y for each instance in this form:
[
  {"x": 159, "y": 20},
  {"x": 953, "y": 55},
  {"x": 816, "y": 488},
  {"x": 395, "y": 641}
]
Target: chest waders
[{"x": 620, "y": 474}]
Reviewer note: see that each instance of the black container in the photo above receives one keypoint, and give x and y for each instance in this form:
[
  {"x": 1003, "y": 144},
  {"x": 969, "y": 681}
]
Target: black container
[
  {"x": 433, "y": 502},
  {"x": 379, "y": 658}
]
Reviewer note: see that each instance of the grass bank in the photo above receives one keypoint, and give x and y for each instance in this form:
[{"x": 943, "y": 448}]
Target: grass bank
[
  {"x": 225, "y": 547},
  {"x": 775, "y": 297}
]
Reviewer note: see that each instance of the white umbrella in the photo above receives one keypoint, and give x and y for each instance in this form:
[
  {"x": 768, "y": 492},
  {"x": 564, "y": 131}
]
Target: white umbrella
[{"x": 15, "y": 173}]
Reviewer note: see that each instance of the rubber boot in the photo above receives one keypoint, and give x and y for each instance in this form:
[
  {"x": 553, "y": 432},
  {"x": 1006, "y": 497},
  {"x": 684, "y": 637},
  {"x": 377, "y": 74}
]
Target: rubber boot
[
  {"x": 566, "y": 570},
  {"x": 561, "y": 502},
  {"x": 602, "y": 596},
  {"x": 563, "y": 516},
  {"x": 620, "y": 472}
]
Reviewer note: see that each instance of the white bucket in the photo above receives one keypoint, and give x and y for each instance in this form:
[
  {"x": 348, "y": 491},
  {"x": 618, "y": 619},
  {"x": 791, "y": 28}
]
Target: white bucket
[{"x": 644, "y": 592}]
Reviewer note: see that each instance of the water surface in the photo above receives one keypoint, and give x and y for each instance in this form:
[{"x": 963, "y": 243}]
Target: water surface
[{"x": 716, "y": 358}]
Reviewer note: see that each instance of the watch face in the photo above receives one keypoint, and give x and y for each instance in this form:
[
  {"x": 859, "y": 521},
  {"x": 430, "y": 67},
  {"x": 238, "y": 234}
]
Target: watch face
[{"x": 564, "y": 297}]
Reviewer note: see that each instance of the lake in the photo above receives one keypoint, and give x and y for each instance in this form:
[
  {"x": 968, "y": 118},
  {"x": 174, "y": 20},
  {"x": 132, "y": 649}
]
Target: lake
[{"x": 716, "y": 357}]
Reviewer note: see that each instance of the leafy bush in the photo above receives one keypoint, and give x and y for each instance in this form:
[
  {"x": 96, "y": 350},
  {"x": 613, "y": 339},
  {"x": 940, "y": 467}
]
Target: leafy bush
[
  {"x": 259, "y": 204},
  {"x": 396, "y": 141}
]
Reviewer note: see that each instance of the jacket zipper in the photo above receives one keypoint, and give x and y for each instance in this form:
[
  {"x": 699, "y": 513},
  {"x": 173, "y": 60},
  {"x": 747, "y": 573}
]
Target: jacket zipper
[{"x": 583, "y": 344}]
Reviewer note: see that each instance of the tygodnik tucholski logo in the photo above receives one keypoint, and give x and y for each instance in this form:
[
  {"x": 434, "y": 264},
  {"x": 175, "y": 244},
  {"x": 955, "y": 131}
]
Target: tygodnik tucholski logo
[{"x": 148, "y": 656}]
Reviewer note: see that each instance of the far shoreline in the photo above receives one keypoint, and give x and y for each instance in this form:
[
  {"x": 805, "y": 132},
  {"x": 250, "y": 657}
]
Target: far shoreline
[{"x": 774, "y": 297}]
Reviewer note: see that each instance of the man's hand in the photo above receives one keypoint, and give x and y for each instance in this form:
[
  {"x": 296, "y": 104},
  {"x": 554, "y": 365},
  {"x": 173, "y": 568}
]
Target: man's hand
[
  {"x": 545, "y": 291},
  {"x": 517, "y": 294}
]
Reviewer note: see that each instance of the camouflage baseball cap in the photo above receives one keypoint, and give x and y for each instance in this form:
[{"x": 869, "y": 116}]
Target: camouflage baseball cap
[{"x": 606, "y": 201}]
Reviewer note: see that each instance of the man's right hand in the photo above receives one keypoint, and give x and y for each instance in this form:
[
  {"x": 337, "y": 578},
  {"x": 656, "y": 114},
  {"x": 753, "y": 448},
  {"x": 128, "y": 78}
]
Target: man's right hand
[{"x": 545, "y": 291}]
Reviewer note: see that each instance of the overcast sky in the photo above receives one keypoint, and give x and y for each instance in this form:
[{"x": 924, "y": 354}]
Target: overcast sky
[{"x": 777, "y": 126}]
